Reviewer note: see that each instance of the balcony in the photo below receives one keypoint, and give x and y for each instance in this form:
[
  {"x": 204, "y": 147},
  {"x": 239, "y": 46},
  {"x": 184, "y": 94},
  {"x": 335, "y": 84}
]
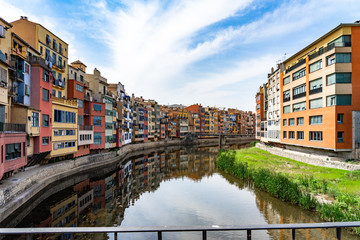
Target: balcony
[
  {"x": 87, "y": 98},
  {"x": 315, "y": 90},
  {"x": 298, "y": 64},
  {"x": 286, "y": 99},
  {"x": 12, "y": 127},
  {"x": 62, "y": 101},
  {"x": 328, "y": 48},
  {"x": 299, "y": 95},
  {"x": 59, "y": 66},
  {"x": 85, "y": 127},
  {"x": 33, "y": 60},
  {"x": 59, "y": 83}
]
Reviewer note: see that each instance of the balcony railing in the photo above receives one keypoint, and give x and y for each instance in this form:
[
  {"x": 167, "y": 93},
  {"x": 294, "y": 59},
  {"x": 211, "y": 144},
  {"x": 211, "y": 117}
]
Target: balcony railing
[
  {"x": 286, "y": 99},
  {"x": 40, "y": 61},
  {"x": 85, "y": 127},
  {"x": 328, "y": 48},
  {"x": 12, "y": 127},
  {"x": 59, "y": 83},
  {"x": 298, "y": 64},
  {"x": 316, "y": 90},
  {"x": 299, "y": 95}
]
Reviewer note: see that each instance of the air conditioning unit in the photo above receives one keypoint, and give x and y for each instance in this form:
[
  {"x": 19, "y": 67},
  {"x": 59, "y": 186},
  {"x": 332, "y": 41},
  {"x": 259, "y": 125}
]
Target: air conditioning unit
[{"x": 2, "y": 32}]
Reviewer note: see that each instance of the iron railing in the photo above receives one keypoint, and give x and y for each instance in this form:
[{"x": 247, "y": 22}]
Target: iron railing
[
  {"x": 28, "y": 232},
  {"x": 12, "y": 127}
]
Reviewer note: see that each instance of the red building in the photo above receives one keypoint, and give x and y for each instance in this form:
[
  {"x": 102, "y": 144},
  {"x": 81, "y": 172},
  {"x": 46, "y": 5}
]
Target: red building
[
  {"x": 146, "y": 125},
  {"x": 76, "y": 88},
  {"x": 199, "y": 110},
  {"x": 95, "y": 115},
  {"x": 41, "y": 98}
]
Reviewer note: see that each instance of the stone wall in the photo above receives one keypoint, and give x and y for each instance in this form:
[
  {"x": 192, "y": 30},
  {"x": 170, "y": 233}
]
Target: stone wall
[{"x": 309, "y": 158}]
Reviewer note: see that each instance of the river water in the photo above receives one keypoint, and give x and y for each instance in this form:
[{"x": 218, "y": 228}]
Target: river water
[{"x": 170, "y": 188}]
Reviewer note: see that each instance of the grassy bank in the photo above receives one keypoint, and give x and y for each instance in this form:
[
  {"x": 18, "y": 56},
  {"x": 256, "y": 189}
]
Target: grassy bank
[{"x": 334, "y": 193}]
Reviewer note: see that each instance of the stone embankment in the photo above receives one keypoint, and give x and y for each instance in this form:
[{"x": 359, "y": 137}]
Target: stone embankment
[
  {"x": 23, "y": 186},
  {"x": 309, "y": 158}
]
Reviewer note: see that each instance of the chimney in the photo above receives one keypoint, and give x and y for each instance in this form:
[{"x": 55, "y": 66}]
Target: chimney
[{"x": 24, "y": 18}]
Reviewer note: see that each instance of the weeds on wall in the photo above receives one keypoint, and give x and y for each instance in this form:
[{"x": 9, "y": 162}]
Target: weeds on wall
[{"x": 298, "y": 190}]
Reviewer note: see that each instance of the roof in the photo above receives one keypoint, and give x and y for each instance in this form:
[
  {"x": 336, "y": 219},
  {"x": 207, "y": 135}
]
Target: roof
[
  {"x": 341, "y": 25},
  {"x": 78, "y": 62},
  {"x": 24, "y": 42},
  {"x": 6, "y": 22},
  {"x": 26, "y": 19}
]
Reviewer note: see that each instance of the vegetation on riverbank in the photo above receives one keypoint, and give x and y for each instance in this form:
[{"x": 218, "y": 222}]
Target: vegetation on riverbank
[{"x": 334, "y": 193}]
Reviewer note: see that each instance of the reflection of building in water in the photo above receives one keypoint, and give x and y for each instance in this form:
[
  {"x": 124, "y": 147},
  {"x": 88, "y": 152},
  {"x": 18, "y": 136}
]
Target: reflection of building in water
[
  {"x": 85, "y": 197},
  {"x": 98, "y": 187},
  {"x": 276, "y": 211}
]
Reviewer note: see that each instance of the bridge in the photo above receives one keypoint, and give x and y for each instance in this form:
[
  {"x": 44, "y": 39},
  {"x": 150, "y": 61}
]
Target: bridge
[
  {"x": 190, "y": 138},
  {"x": 117, "y": 231}
]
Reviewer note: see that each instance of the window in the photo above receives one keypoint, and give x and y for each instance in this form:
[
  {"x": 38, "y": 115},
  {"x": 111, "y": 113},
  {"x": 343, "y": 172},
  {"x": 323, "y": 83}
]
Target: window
[
  {"x": 59, "y": 94},
  {"x": 315, "y": 84},
  {"x": 64, "y": 116},
  {"x": 338, "y": 58},
  {"x": 342, "y": 41},
  {"x": 79, "y": 88},
  {"x": 53, "y": 59},
  {"x": 316, "y": 103},
  {"x": 299, "y": 91},
  {"x": 287, "y": 109},
  {"x": 339, "y": 100},
  {"x": 315, "y": 120},
  {"x": 60, "y": 48},
  {"x": 286, "y": 80},
  {"x": 300, "y": 121},
  {"x": 41, "y": 50},
  {"x": 80, "y": 103},
  {"x": 60, "y": 62},
  {"x": 299, "y": 74},
  {"x": 35, "y": 119},
  {"x": 97, "y": 107},
  {"x": 299, "y": 107},
  {"x": 45, "y": 94},
  {"x": 291, "y": 135},
  {"x": 81, "y": 78},
  {"x": 12, "y": 151},
  {"x": 338, "y": 78},
  {"x": 340, "y": 118},
  {"x": 47, "y": 55},
  {"x": 54, "y": 92},
  {"x": 286, "y": 96},
  {"x": 45, "y": 120},
  {"x": 46, "y": 76},
  {"x": 60, "y": 145},
  {"x": 284, "y": 122},
  {"x": 54, "y": 44},
  {"x": 300, "y": 135},
  {"x": 97, "y": 138},
  {"x": 284, "y": 134},
  {"x": 45, "y": 141},
  {"x": 97, "y": 121},
  {"x": 3, "y": 75},
  {"x": 316, "y": 136},
  {"x": 315, "y": 66},
  {"x": 48, "y": 40},
  {"x": 340, "y": 137},
  {"x": 291, "y": 121}
]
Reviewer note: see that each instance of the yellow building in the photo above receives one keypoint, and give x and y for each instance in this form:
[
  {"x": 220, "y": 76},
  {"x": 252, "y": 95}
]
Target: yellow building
[
  {"x": 64, "y": 112},
  {"x": 53, "y": 49},
  {"x": 5, "y": 46},
  {"x": 65, "y": 127}
]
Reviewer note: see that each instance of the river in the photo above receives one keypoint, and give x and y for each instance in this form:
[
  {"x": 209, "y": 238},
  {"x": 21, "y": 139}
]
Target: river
[{"x": 174, "y": 188}]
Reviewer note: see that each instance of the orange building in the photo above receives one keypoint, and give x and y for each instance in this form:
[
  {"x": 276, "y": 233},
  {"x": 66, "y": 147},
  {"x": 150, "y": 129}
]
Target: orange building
[
  {"x": 320, "y": 86},
  {"x": 259, "y": 111}
]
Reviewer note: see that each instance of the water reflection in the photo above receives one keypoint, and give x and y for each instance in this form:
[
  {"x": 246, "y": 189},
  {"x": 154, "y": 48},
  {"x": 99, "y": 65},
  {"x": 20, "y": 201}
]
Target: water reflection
[{"x": 180, "y": 187}]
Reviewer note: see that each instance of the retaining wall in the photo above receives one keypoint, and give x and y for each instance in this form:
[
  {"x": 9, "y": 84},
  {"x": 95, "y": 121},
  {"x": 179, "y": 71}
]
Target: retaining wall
[{"x": 310, "y": 158}]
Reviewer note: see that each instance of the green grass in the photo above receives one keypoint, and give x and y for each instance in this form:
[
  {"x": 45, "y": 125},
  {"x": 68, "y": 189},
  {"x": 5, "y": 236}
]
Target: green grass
[
  {"x": 343, "y": 180},
  {"x": 298, "y": 182}
]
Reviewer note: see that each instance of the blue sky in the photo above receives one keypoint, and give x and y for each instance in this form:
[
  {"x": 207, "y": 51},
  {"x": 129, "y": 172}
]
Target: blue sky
[{"x": 213, "y": 52}]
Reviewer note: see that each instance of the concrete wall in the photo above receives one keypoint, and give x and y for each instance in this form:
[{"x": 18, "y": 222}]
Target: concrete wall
[{"x": 310, "y": 158}]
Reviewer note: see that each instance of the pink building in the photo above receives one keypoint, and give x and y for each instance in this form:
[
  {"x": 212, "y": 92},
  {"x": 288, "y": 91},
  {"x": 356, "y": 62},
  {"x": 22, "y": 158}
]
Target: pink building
[
  {"x": 41, "y": 98},
  {"x": 12, "y": 148}
]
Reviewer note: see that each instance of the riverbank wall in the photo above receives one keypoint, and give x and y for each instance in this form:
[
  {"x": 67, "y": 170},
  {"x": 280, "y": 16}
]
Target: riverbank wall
[
  {"x": 29, "y": 185},
  {"x": 310, "y": 158}
]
